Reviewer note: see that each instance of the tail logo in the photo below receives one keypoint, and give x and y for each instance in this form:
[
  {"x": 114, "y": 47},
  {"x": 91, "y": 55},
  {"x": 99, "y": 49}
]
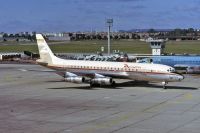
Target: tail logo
[
  {"x": 40, "y": 40},
  {"x": 44, "y": 49}
]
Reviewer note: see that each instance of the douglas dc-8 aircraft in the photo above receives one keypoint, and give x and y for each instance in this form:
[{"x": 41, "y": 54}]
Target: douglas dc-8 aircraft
[{"x": 102, "y": 73}]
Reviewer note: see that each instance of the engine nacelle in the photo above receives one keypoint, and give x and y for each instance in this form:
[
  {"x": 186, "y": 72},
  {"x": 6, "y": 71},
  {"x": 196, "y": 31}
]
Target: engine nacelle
[
  {"x": 102, "y": 81},
  {"x": 75, "y": 79}
]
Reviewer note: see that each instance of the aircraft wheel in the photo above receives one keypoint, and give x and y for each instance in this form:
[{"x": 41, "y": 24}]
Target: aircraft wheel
[
  {"x": 113, "y": 84},
  {"x": 164, "y": 87},
  {"x": 91, "y": 85}
]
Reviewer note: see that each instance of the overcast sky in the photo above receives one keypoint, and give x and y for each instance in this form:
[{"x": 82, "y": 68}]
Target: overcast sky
[{"x": 87, "y": 15}]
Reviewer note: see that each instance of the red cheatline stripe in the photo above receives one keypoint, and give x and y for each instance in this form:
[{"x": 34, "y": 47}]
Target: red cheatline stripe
[{"x": 54, "y": 67}]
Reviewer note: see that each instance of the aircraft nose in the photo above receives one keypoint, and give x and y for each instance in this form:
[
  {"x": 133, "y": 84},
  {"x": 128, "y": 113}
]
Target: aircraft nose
[{"x": 180, "y": 77}]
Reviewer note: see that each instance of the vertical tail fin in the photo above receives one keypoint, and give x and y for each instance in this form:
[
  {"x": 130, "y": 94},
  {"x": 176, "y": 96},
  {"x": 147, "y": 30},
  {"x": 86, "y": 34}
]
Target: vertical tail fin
[{"x": 46, "y": 55}]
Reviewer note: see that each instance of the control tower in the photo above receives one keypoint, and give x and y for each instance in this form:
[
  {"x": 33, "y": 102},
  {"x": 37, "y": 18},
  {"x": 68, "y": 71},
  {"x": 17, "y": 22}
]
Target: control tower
[{"x": 157, "y": 46}]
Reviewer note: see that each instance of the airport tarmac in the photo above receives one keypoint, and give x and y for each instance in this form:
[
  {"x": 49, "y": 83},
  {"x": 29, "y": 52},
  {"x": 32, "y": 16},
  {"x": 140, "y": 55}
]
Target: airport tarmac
[{"x": 40, "y": 102}]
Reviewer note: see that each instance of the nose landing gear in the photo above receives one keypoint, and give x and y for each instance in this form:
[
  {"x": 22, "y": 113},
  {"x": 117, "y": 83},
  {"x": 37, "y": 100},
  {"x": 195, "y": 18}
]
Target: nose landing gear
[{"x": 164, "y": 83}]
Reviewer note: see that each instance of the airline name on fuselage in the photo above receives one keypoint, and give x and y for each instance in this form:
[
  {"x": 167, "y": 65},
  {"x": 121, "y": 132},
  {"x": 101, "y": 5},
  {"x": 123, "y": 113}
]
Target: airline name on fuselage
[{"x": 131, "y": 67}]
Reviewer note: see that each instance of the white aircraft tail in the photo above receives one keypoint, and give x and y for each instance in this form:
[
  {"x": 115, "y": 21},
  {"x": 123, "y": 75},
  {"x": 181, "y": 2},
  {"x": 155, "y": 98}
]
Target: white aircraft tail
[{"x": 46, "y": 55}]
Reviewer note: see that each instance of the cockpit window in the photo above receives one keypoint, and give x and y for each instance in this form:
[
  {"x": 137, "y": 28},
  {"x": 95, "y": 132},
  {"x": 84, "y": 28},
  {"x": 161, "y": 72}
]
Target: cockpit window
[{"x": 171, "y": 70}]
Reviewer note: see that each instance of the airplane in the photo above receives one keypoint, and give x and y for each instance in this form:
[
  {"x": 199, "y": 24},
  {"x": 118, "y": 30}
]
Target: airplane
[
  {"x": 189, "y": 64},
  {"x": 103, "y": 73}
]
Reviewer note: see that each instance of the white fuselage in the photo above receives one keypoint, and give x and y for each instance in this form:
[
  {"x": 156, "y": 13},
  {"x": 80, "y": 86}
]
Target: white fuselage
[
  {"x": 134, "y": 71},
  {"x": 75, "y": 70}
]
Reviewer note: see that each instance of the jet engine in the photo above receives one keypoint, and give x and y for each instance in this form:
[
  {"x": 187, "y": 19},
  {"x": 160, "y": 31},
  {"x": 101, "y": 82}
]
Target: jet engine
[
  {"x": 102, "y": 81},
  {"x": 71, "y": 77},
  {"x": 75, "y": 79}
]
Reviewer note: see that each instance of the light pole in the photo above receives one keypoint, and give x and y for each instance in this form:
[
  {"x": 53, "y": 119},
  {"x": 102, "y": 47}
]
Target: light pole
[{"x": 109, "y": 23}]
